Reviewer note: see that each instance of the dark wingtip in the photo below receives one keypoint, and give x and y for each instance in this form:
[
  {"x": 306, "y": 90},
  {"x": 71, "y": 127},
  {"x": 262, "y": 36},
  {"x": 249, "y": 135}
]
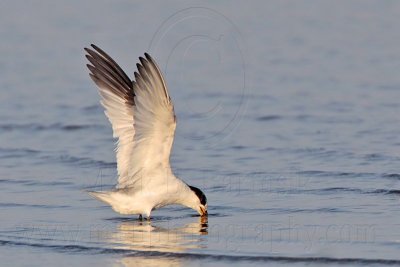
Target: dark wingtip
[
  {"x": 148, "y": 56},
  {"x": 91, "y": 68},
  {"x": 88, "y": 50},
  {"x": 98, "y": 49},
  {"x": 142, "y": 60}
]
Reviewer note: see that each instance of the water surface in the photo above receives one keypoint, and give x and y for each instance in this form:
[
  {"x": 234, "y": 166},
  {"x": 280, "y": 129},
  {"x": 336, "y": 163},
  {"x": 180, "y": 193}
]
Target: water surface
[{"x": 287, "y": 119}]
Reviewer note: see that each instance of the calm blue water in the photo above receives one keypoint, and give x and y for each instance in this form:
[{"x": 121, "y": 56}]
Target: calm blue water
[{"x": 288, "y": 118}]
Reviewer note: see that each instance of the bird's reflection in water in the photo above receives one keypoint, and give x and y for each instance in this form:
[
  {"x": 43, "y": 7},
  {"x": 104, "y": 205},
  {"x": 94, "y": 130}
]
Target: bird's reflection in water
[
  {"x": 151, "y": 262},
  {"x": 144, "y": 236}
]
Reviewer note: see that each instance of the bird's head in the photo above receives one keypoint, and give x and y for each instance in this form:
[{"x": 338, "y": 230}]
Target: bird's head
[{"x": 199, "y": 202}]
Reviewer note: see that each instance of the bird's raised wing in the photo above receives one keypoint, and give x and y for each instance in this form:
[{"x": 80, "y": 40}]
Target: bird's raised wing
[{"x": 141, "y": 113}]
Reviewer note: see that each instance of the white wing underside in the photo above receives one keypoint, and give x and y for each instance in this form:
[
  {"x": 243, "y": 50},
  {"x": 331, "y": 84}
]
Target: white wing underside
[{"x": 141, "y": 113}]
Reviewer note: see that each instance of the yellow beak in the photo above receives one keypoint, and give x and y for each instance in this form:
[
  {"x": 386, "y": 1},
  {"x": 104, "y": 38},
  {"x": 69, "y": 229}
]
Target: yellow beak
[{"x": 203, "y": 211}]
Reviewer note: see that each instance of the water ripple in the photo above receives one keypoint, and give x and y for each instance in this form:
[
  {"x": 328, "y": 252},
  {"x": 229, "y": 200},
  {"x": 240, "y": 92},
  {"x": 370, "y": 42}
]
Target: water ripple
[
  {"x": 54, "y": 126},
  {"x": 269, "y": 118},
  {"x": 15, "y": 205},
  {"x": 391, "y": 175},
  {"x": 17, "y": 152},
  {"x": 80, "y": 161},
  {"x": 35, "y": 182},
  {"x": 386, "y": 191},
  {"x": 81, "y": 249}
]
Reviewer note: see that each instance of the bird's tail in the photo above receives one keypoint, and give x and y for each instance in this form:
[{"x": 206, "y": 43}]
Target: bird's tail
[{"x": 104, "y": 196}]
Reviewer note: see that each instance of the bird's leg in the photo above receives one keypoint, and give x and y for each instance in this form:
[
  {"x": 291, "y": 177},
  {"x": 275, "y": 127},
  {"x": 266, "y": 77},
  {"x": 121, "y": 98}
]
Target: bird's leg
[{"x": 140, "y": 217}]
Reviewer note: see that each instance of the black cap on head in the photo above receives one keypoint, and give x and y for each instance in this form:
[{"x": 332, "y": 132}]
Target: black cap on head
[{"x": 199, "y": 194}]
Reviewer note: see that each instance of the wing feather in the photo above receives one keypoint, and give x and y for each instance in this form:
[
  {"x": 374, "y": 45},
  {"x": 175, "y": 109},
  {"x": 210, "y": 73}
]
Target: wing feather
[{"x": 141, "y": 113}]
